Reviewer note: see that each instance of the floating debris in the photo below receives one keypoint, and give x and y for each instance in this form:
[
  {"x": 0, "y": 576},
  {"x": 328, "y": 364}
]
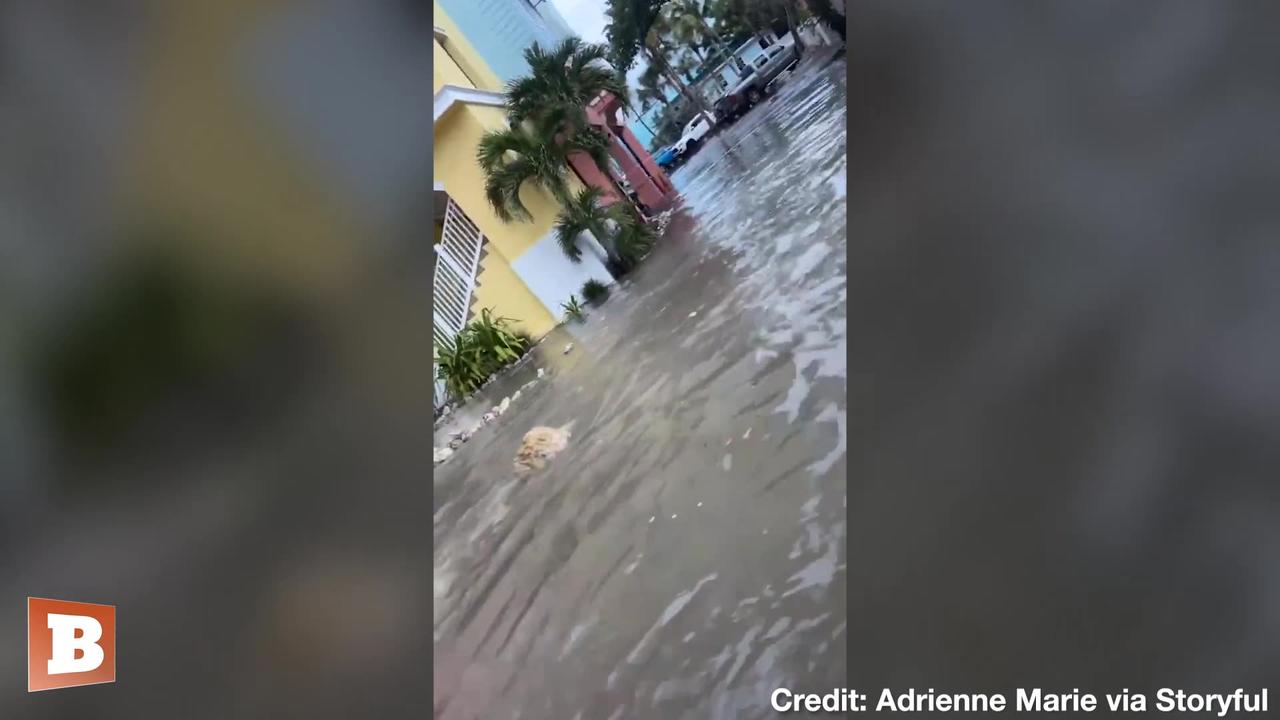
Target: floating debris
[
  {"x": 693, "y": 314},
  {"x": 540, "y": 445},
  {"x": 568, "y": 348}
]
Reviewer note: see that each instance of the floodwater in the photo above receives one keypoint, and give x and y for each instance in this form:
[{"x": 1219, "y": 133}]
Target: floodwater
[{"x": 685, "y": 555}]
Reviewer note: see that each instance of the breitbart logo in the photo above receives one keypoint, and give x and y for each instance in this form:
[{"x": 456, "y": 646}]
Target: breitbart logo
[{"x": 69, "y": 644}]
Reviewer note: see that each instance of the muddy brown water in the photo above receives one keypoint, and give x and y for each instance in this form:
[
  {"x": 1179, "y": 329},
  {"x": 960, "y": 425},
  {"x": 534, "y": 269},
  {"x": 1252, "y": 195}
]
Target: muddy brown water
[{"x": 685, "y": 554}]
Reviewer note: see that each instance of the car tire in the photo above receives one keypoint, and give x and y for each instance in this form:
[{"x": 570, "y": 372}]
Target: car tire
[{"x": 753, "y": 96}]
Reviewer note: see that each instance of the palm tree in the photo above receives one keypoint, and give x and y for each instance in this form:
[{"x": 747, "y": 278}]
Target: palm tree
[
  {"x": 536, "y": 151},
  {"x": 687, "y": 22},
  {"x": 570, "y": 75},
  {"x": 547, "y": 111},
  {"x": 583, "y": 213},
  {"x": 624, "y": 236}
]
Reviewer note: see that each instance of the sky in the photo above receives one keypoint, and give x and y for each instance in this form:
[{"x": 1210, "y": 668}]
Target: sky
[{"x": 585, "y": 17}]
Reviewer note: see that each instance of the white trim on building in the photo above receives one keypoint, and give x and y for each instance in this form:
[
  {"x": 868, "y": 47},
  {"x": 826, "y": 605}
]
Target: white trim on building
[{"x": 451, "y": 95}]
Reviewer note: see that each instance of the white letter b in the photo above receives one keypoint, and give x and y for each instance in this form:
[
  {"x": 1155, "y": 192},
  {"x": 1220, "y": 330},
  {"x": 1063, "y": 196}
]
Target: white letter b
[{"x": 65, "y": 643}]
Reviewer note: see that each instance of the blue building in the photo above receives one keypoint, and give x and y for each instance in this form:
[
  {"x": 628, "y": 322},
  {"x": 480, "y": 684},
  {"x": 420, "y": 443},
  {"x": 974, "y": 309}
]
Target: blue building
[{"x": 500, "y": 30}]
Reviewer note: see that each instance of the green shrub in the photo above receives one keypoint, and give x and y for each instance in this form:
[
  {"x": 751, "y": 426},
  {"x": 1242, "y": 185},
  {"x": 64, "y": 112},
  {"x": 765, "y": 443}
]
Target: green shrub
[
  {"x": 595, "y": 292},
  {"x": 484, "y": 347},
  {"x": 572, "y": 310}
]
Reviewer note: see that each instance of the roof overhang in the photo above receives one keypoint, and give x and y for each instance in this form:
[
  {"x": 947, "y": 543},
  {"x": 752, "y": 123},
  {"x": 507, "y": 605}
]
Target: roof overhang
[
  {"x": 441, "y": 35},
  {"x": 451, "y": 95}
]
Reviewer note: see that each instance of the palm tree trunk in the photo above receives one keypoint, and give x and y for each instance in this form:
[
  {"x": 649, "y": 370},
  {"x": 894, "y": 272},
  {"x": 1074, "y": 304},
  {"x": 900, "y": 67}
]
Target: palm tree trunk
[
  {"x": 656, "y": 56},
  {"x": 640, "y": 117},
  {"x": 791, "y": 25}
]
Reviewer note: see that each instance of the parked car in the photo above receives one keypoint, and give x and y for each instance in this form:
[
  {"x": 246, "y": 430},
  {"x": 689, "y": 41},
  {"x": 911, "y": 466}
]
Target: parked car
[
  {"x": 694, "y": 132},
  {"x": 666, "y": 157},
  {"x": 756, "y": 82}
]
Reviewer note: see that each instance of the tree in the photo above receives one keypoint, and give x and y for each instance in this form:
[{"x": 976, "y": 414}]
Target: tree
[
  {"x": 583, "y": 213},
  {"x": 536, "y": 151},
  {"x": 625, "y": 238},
  {"x": 828, "y": 15},
  {"x": 687, "y": 22},
  {"x": 570, "y": 75},
  {"x": 547, "y": 113},
  {"x": 635, "y": 26}
]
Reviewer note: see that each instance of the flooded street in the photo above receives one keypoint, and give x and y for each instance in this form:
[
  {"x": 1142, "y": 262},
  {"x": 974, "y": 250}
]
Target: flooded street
[{"x": 684, "y": 555}]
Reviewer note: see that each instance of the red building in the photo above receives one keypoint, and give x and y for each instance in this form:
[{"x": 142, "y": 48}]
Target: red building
[{"x": 650, "y": 184}]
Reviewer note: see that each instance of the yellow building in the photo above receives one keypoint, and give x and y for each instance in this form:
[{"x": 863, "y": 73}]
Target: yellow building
[{"x": 517, "y": 268}]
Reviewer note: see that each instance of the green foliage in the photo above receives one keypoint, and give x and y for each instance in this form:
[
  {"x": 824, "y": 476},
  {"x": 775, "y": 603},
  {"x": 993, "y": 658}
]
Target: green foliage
[
  {"x": 581, "y": 213},
  {"x": 595, "y": 292},
  {"x": 625, "y": 237},
  {"x": 568, "y": 76},
  {"x": 484, "y": 347},
  {"x": 629, "y": 24},
  {"x": 548, "y": 124},
  {"x": 632, "y": 241},
  {"x": 534, "y": 152},
  {"x": 573, "y": 310}
]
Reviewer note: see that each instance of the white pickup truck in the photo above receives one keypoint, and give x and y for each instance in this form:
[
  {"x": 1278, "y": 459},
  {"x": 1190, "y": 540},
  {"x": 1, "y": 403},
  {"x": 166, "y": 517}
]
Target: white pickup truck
[{"x": 694, "y": 132}]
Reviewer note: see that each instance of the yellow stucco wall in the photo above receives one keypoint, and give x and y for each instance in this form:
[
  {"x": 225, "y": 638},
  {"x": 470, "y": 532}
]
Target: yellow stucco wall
[
  {"x": 456, "y": 138},
  {"x": 461, "y": 58},
  {"x": 498, "y": 287},
  {"x": 445, "y": 71}
]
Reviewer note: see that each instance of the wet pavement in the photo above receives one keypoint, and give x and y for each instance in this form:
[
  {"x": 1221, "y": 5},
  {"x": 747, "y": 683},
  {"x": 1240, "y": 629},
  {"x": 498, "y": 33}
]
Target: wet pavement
[{"x": 685, "y": 555}]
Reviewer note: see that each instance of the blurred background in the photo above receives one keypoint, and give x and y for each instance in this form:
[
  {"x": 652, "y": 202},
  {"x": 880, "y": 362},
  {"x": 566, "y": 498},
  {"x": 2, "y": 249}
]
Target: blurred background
[
  {"x": 214, "y": 350},
  {"x": 1065, "y": 326}
]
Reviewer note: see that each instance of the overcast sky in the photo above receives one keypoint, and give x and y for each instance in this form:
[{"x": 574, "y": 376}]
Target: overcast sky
[{"x": 585, "y": 17}]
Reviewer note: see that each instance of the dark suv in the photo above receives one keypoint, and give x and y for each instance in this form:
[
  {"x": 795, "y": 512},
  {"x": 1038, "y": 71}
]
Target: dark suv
[{"x": 756, "y": 82}]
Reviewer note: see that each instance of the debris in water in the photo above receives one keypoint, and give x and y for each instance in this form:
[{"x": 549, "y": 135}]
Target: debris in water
[
  {"x": 693, "y": 314},
  {"x": 568, "y": 348},
  {"x": 652, "y": 518},
  {"x": 540, "y": 445},
  {"x": 540, "y": 372},
  {"x": 746, "y": 434},
  {"x": 502, "y": 406},
  {"x": 699, "y": 504},
  {"x": 442, "y": 454},
  {"x": 673, "y": 516}
]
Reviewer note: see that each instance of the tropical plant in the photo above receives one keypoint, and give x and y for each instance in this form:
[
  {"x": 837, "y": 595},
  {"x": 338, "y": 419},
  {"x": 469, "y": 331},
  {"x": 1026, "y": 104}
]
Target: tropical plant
[
  {"x": 569, "y": 77},
  {"x": 636, "y": 26},
  {"x": 625, "y": 236},
  {"x": 583, "y": 213},
  {"x": 573, "y": 310},
  {"x": 483, "y": 347},
  {"x": 459, "y": 366},
  {"x": 538, "y": 152},
  {"x": 595, "y": 292},
  {"x": 632, "y": 240},
  {"x": 494, "y": 340},
  {"x": 687, "y": 22}
]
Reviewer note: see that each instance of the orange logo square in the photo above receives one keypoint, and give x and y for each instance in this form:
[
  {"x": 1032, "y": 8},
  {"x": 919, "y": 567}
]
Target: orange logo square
[{"x": 69, "y": 644}]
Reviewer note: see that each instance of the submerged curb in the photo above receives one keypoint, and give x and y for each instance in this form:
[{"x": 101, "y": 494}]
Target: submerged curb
[{"x": 458, "y": 437}]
